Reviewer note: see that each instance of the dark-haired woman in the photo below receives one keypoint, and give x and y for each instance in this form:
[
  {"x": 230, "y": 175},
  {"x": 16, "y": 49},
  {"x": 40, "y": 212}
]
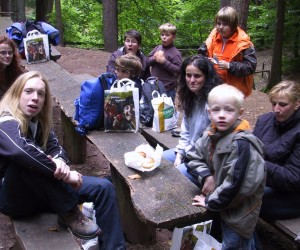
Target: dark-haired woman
[{"x": 197, "y": 78}]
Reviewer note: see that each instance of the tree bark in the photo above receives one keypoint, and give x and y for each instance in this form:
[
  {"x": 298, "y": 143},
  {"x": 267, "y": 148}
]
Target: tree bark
[
  {"x": 110, "y": 24},
  {"x": 59, "y": 24},
  {"x": 242, "y": 8},
  {"x": 225, "y": 3},
  {"x": 5, "y": 5},
  {"x": 43, "y": 9},
  {"x": 276, "y": 67},
  {"x": 18, "y": 9}
]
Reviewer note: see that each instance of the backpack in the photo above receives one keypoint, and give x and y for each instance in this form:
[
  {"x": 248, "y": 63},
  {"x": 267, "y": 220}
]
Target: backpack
[
  {"x": 18, "y": 31},
  {"x": 89, "y": 106},
  {"x": 146, "y": 109}
]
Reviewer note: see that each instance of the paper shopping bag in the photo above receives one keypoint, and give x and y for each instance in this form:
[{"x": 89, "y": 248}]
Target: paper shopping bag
[
  {"x": 121, "y": 107},
  {"x": 164, "y": 112},
  {"x": 36, "y": 47},
  {"x": 195, "y": 237}
]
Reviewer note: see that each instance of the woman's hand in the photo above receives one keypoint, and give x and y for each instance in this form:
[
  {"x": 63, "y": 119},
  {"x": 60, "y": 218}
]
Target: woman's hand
[
  {"x": 62, "y": 169},
  {"x": 74, "y": 179},
  {"x": 178, "y": 159},
  {"x": 209, "y": 185}
]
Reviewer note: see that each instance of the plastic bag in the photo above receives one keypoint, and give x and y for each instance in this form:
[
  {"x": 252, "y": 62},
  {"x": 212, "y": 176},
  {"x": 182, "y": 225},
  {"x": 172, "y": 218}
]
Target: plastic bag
[{"x": 164, "y": 112}]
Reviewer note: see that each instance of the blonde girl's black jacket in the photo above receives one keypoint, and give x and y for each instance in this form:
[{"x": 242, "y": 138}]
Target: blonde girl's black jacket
[{"x": 26, "y": 152}]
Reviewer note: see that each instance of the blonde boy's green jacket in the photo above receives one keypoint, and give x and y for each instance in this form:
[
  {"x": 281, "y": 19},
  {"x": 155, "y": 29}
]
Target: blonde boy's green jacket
[{"x": 235, "y": 159}]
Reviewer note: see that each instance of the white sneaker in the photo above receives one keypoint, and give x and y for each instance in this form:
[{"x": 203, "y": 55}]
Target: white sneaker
[{"x": 90, "y": 244}]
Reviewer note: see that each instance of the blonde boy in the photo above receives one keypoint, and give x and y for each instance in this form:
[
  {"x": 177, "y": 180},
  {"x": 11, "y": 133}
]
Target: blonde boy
[
  {"x": 228, "y": 162},
  {"x": 165, "y": 60}
]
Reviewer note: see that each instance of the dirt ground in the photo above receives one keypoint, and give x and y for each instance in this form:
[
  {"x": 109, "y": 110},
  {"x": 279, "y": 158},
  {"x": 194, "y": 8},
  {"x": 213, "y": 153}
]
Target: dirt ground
[{"x": 92, "y": 62}]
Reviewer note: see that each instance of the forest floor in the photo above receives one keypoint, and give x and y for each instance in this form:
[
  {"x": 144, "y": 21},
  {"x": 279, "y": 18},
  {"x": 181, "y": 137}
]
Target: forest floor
[{"x": 80, "y": 61}]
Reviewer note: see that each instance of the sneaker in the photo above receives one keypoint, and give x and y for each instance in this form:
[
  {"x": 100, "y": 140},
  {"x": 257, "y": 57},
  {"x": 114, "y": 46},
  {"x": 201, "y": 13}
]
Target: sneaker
[{"x": 80, "y": 225}]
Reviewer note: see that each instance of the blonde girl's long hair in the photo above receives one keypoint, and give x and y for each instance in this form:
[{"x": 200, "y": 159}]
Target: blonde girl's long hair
[{"x": 10, "y": 105}]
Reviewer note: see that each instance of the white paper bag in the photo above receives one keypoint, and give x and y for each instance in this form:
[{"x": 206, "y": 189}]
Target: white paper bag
[
  {"x": 36, "y": 47},
  {"x": 195, "y": 237},
  {"x": 121, "y": 107},
  {"x": 164, "y": 112}
]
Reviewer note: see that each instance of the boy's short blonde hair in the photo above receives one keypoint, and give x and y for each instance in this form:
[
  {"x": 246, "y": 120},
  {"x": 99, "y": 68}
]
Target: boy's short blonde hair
[
  {"x": 168, "y": 27},
  {"x": 226, "y": 90},
  {"x": 130, "y": 63}
]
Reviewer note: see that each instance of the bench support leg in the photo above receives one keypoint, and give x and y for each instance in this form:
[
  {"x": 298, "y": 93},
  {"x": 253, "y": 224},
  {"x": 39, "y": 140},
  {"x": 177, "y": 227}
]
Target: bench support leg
[
  {"x": 136, "y": 231},
  {"x": 73, "y": 143}
]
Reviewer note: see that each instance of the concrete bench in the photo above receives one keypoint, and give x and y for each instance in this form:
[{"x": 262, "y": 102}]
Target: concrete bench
[{"x": 41, "y": 232}]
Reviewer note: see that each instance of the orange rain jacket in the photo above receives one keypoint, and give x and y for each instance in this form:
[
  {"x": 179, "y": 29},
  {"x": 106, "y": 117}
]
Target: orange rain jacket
[{"x": 239, "y": 52}]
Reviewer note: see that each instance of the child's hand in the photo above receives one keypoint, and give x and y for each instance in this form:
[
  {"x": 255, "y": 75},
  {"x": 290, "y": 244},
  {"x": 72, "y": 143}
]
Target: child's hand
[
  {"x": 209, "y": 185},
  {"x": 223, "y": 65},
  {"x": 159, "y": 56},
  {"x": 199, "y": 200}
]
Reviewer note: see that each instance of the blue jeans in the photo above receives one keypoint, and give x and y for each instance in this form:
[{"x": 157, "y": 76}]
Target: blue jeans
[
  {"x": 172, "y": 94},
  {"x": 280, "y": 204},
  {"x": 170, "y": 155},
  {"x": 233, "y": 241},
  {"x": 26, "y": 192}
]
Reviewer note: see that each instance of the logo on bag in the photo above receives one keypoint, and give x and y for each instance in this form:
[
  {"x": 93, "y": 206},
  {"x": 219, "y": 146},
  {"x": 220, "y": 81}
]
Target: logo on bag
[{"x": 168, "y": 112}]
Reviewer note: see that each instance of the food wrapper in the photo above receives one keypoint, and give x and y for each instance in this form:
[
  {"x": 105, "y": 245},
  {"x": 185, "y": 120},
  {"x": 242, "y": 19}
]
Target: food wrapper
[{"x": 135, "y": 160}]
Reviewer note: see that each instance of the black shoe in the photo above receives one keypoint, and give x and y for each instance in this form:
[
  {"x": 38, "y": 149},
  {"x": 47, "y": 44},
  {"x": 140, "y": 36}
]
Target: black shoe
[
  {"x": 80, "y": 225},
  {"x": 175, "y": 133}
]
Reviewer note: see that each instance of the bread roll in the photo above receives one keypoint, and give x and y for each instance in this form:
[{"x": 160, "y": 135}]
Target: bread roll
[
  {"x": 143, "y": 154},
  {"x": 148, "y": 162}
]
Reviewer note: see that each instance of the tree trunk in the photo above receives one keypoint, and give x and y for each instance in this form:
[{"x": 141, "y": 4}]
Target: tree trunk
[
  {"x": 225, "y": 3},
  {"x": 110, "y": 24},
  {"x": 43, "y": 9},
  {"x": 5, "y": 5},
  {"x": 18, "y": 9},
  {"x": 59, "y": 24},
  {"x": 276, "y": 67},
  {"x": 242, "y": 8}
]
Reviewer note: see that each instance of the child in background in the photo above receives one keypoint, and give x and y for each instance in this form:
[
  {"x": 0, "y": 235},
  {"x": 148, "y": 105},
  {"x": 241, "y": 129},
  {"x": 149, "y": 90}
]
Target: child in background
[
  {"x": 165, "y": 60},
  {"x": 129, "y": 66},
  {"x": 228, "y": 162},
  {"x": 232, "y": 51},
  {"x": 132, "y": 45}
]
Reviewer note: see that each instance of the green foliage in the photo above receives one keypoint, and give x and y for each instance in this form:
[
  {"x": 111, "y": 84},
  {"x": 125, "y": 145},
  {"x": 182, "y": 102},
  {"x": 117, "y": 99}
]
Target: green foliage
[
  {"x": 194, "y": 20},
  {"x": 192, "y": 23},
  {"x": 82, "y": 22},
  {"x": 261, "y": 25}
]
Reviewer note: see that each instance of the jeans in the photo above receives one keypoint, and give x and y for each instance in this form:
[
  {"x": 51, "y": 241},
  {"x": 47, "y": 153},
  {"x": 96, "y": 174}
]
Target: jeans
[
  {"x": 172, "y": 94},
  {"x": 170, "y": 155},
  {"x": 233, "y": 241},
  {"x": 280, "y": 204},
  {"x": 26, "y": 192}
]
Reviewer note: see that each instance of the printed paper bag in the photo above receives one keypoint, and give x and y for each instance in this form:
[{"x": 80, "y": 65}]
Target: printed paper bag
[
  {"x": 121, "y": 107},
  {"x": 195, "y": 237},
  {"x": 36, "y": 47},
  {"x": 164, "y": 112}
]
